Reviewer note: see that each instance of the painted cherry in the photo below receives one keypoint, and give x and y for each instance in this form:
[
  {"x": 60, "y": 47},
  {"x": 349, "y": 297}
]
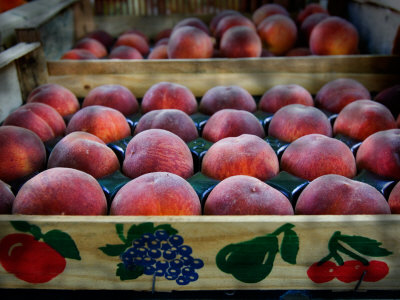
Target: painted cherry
[
  {"x": 376, "y": 270},
  {"x": 320, "y": 273},
  {"x": 30, "y": 260},
  {"x": 351, "y": 270}
]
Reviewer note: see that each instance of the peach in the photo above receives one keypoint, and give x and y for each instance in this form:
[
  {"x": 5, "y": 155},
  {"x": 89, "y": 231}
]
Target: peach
[
  {"x": 278, "y": 33},
  {"x": 266, "y": 53},
  {"x": 189, "y": 42},
  {"x": 314, "y": 155},
  {"x": 334, "y": 36},
  {"x": 215, "y": 20},
  {"x": 61, "y": 191},
  {"x": 230, "y": 21},
  {"x": 93, "y": 46},
  {"x": 362, "y": 118},
  {"x": 334, "y": 95},
  {"x": 21, "y": 153},
  {"x": 57, "y": 96},
  {"x": 125, "y": 52},
  {"x": 85, "y": 152},
  {"x": 394, "y": 199},
  {"x": 40, "y": 118},
  {"x": 107, "y": 123},
  {"x": 113, "y": 95},
  {"x": 157, "y": 150},
  {"x": 6, "y": 198},
  {"x": 78, "y": 54},
  {"x": 246, "y": 154},
  {"x": 299, "y": 51},
  {"x": 162, "y": 34},
  {"x": 390, "y": 98},
  {"x": 102, "y": 36},
  {"x": 159, "y": 52},
  {"x": 246, "y": 195},
  {"x": 309, "y": 23},
  {"x": 240, "y": 41},
  {"x": 169, "y": 95},
  {"x": 173, "y": 120},
  {"x": 163, "y": 41},
  {"x": 310, "y": 9},
  {"x": 133, "y": 40},
  {"x": 192, "y": 21},
  {"x": 296, "y": 120},
  {"x": 267, "y": 10},
  {"x": 231, "y": 123},
  {"x": 140, "y": 33},
  {"x": 284, "y": 94},
  {"x": 334, "y": 194},
  {"x": 157, "y": 193},
  {"x": 379, "y": 154},
  {"x": 229, "y": 96}
]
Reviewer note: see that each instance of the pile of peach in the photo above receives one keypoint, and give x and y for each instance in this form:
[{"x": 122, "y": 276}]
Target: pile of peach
[
  {"x": 55, "y": 150},
  {"x": 270, "y": 31}
]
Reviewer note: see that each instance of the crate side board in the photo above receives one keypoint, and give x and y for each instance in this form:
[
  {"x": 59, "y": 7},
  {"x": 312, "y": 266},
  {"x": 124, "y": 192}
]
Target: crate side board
[{"x": 222, "y": 244}]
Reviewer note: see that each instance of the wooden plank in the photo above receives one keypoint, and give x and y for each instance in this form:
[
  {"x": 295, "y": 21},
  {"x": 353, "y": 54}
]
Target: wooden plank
[
  {"x": 16, "y": 52},
  {"x": 10, "y": 92},
  {"x": 395, "y": 5},
  {"x": 84, "y": 18}
]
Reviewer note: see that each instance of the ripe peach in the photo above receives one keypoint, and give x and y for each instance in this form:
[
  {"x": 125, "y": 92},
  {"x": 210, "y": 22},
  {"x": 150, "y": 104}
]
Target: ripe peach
[
  {"x": 6, "y": 198},
  {"x": 267, "y": 10},
  {"x": 61, "y": 191},
  {"x": 113, "y": 95},
  {"x": 314, "y": 155},
  {"x": 162, "y": 34},
  {"x": 125, "y": 52},
  {"x": 57, "y": 96},
  {"x": 107, "y": 123},
  {"x": 309, "y": 23},
  {"x": 284, "y": 94},
  {"x": 102, "y": 36},
  {"x": 278, "y": 33},
  {"x": 230, "y": 21},
  {"x": 157, "y": 193},
  {"x": 93, "y": 46},
  {"x": 310, "y": 9},
  {"x": 230, "y": 96},
  {"x": 333, "y": 194},
  {"x": 390, "y": 98},
  {"x": 78, "y": 54},
  {"x": 296, "y": 120},
  {"x": 138, "y": 32},
  {"x": 379, "y": 154},
  {"x": 38, "y": 117},
  {"x": 163, "y": 41},
  {"x": 336, "y": 94},
  {"x": 299, "y": 51},
  {"x": 133, "y": 40},
  {"x": 394, "y": 199},
  {"x": 192, "y": 21},
  {"x": 157, "y": 150},
  {"x": 173, "y": 120},
  {"x": 215, "y": 20},
  {"x": 246, "y": 195},
  {"x": 246, "y": 154},
  {"x": 21, "y": 153},
  {"x": 334, "y": 36},
  {"x": 240, "y": 41},
  {"x": 85, "y": 152},
  {"x": 169, "y": 95},
  {"x": 159, "y": 52},
  {"x": 189, "y": 42},
  {"x": 362, "y": 118},
  {"x": 230, "y": 123}
]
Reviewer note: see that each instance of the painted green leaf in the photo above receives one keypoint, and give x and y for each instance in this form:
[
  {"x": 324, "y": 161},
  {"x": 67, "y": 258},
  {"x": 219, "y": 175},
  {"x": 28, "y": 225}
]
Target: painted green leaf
[
  {"x": 62, "y": 243},
  {"x": 289, "y": 246},
  {"x": 125, "y": 274},
  {"x": 120, "y": 231},
  {"x": 136, "y": 231},
  {"x": 21, "y": 225},
  {"x": 113, "y": 250},
  {"x": 365, "y": 245}
]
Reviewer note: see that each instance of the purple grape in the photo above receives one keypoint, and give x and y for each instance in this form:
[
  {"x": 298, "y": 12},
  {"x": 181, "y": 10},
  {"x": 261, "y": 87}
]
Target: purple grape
[
  {"x": 161, "y": 235},
  {"x": 184, "y": 250},
  {"x": 169, "y": 254},
  {"x": 197, "y": 263},
  {"x": 187, "y": 260},
  {"x": 162, "y": 265},
  {"x": 186, "y": 271},
  {"x": 154, "y": 253},
  {"x": 149, "y": 270},
  {"x": 182, "y": 280},
  {"x": 176, "y": 263},
  {"x": 175, "y": 240},
  {"x": 154, "y": 244}
]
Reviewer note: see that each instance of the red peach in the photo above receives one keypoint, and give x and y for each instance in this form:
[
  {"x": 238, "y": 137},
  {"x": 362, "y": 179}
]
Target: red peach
[
  {"x": 278, "y": 33},
  {"x": 78, "y": 54},
  {"x": 333, "y": 194},
  {"x": 107, "y": 123},
  {"x": 57, "y": 96},
  {"x": 246, "y": 154},
  {"x": 125, "y": 52},
  {"x": 21, "y": 153},
  {"x": 163, "y": 41},
  {"x": 93, "y": 46},
  {"x": 394, "y": 199},
  {"x": 230, "y": 123},
  {"x": 230, "y": 21},
  {"x": 157, "y": 194},
  {"x": 61, "y": 191},
  {"x": 138, "y": 32},
  {"x": 113, "y": 95},
  {"x": 379, "y": 153},
  {"x": 296, "y": 120},
  {"x": 299, "y": 51},
  {"x": 189, "y": 42},
  {"x": 309, "y": 23},
  {"x": 230, "y": 96},
  {"x": 390, "y": 97},
  {"x": 159, "y": 52},
  {"x": 164, "y": 33},
  {"x": 157, "y": 150},
  {"x": 169, "y": 95},
  {"x": 284, "y": 94},
  {"x": 40, "y": 118},
  {"x": 240, "y": 41},
  {"x": 246, "y": 195},
  {"x": 362, "y": 118},
  {"x": 192, "y": 21},
  {"x": 267, "y": 10},
  {"x": 102, "y": 36},
  {"x": 218, "y": 17},
  {"x": 314, "y": 155},
  {"x": 85, "y": 152},
  {"x": 336, "y": 94},
  {"x": 133, "y": 40},
  {"x": 310, "y": 9},
  {"x": 334, "y": 36},
  {"x": 173, "y": 120},
  {"x": 6, "y": 198}
]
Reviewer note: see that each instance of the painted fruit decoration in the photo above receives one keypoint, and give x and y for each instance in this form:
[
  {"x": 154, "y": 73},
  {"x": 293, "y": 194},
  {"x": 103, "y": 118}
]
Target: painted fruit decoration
[
  {"x": 36, "y": 257},
  {"x": 157, "y": 251},
  {"x": 358, "y": 268}
]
